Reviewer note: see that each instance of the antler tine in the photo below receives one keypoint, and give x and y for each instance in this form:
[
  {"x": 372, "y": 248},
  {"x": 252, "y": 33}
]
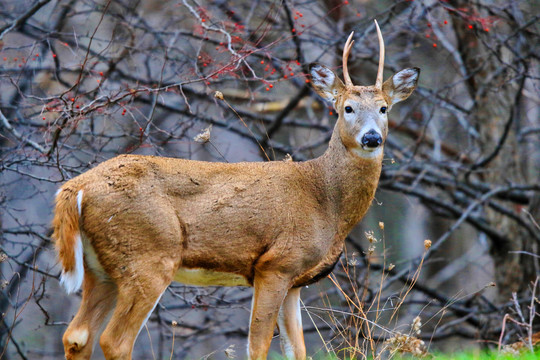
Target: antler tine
[
  {"x": 346, "y": 51},
  {"x": 379, "y": 82}
]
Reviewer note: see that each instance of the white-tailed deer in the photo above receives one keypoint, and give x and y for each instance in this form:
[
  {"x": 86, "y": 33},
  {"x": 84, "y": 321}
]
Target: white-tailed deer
[{"x": 129, "y": 227}]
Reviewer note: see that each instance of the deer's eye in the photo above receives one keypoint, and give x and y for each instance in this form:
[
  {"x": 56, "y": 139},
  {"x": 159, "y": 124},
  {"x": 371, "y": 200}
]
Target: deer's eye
[
  {"x": 383, "y": 110},
  {"x": 348, "y": 109}
]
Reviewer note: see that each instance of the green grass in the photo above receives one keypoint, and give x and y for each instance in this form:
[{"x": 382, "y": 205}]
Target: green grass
[
  {"x": 493, "y": 355},
  {"x": 469, "y": 355}
]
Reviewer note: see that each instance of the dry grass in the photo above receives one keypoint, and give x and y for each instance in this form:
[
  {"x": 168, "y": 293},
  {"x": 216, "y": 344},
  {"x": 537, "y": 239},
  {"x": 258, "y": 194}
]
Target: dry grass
[{"x": 380, "y": 327}]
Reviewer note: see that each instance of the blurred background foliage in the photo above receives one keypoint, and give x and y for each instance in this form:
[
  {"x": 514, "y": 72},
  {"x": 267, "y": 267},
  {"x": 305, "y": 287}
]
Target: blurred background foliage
[{"x": 82, "y": 81}]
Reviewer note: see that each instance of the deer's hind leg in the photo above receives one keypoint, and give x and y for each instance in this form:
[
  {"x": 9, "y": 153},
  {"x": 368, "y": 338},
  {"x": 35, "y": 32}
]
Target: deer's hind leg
[
  {"x": 98, "y": 298},
  {"x": 138, "y": 295}
]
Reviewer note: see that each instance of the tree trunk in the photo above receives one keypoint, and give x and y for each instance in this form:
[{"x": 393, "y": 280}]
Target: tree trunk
[{"x": 499, "y": 113}]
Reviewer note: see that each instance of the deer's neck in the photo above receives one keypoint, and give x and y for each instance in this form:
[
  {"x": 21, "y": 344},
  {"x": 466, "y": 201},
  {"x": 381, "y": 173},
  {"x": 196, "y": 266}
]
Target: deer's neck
[{"x": 350, "y": 182}]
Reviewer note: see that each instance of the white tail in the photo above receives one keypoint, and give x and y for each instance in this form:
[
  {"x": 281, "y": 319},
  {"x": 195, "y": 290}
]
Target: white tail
[
  {"x": 73, "y": 279},
  {"x": 276, "y": 226},
  {"x": 68, "y": 238}
]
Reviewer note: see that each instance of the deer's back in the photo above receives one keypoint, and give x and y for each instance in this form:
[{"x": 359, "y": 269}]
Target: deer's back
[{"x": 212, "y": 216}]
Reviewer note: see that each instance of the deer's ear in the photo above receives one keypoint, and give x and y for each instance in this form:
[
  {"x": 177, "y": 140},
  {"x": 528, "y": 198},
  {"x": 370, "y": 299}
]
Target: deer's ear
[
  {"x": 325, "y": 82},
  {"x": 401, "y": 85}
]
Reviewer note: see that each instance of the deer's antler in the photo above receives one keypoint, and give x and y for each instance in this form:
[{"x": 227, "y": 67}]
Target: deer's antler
[
  {"x": 346, "y": 51},
  {"x": 379, "y": 82}
]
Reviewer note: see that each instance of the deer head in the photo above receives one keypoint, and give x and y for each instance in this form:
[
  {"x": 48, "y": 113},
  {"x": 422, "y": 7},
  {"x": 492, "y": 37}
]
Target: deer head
[{"x": 362, "y": 124}]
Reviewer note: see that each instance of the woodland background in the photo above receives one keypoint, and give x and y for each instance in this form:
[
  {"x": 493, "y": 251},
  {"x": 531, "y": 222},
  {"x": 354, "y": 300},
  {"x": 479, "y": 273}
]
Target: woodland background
[{"x": 82, "y": 81}]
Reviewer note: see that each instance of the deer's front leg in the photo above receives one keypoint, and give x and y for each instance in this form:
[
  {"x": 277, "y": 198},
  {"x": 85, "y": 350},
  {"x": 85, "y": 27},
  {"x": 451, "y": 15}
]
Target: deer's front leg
[
  {"x": 270, "y": 290},
  {"x": 290, "y": 326}
]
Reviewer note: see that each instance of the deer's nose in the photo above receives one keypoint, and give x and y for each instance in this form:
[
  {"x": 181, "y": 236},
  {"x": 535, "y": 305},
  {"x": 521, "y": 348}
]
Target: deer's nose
[{"x": 371, "y": 139}]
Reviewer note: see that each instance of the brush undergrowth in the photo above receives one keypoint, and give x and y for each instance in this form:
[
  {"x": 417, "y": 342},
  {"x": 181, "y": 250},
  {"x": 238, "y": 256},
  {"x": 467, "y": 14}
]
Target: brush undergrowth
[{"x": 378, "y": 326}]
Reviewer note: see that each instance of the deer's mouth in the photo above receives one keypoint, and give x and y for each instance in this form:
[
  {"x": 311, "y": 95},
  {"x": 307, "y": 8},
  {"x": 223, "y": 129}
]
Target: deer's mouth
[{"x": 370, "y": 149}]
